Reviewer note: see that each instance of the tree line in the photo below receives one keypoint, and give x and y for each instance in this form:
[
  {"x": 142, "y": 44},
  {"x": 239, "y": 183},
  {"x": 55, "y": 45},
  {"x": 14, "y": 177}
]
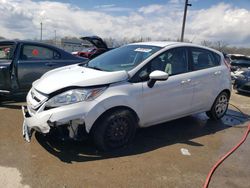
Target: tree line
[{"x": 113, "y": 43}]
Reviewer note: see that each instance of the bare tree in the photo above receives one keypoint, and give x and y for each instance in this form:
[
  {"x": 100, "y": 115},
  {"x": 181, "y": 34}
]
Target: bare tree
[{"x": 207, "y": 43}]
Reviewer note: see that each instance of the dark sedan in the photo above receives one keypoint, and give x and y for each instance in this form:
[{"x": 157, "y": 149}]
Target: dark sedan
[
  {"x": 242, "y": 80},
  {"x": 22, "y": 62}
]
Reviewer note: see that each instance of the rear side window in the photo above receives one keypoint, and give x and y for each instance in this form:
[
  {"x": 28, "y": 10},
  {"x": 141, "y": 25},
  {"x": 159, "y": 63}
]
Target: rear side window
[
  {"x": 33, "y": 52},
  {"x": 203, "y": 59}
]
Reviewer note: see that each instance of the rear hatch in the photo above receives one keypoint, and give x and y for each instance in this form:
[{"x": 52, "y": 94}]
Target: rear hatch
[{"x": 96, "y": 41}]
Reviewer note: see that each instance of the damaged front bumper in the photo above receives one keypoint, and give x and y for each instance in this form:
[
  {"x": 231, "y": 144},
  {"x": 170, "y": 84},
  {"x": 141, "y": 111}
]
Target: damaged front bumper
[
  {"x": 38, "y": 123},
  {"x": 73, "y": 120},
  {"x": 72, "y": 127}
]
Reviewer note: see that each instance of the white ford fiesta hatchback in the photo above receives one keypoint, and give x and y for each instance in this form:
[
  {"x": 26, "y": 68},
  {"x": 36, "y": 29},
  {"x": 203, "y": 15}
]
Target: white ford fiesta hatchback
[{"x": 137, "y": 85}]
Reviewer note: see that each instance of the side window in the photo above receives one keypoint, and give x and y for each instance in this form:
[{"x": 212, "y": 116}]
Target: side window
[
  {"x": 33, "y": 52},
  {"x": 6, "y": 51},
  {"x": 173, "y": 61},
  {"x": 176, "y": 61},
  {"x": 217, "y": 59},
  {"x": 203, "y": 59}
]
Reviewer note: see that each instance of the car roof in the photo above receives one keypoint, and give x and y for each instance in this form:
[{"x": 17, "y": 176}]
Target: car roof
[
  {"x": 155, "y": 43},
  {"x": 31, "y": 43},
  {"x": 169, "y": 43},
  {"x": 236, "y": 55},
  {"x": 23, "y": 41}
]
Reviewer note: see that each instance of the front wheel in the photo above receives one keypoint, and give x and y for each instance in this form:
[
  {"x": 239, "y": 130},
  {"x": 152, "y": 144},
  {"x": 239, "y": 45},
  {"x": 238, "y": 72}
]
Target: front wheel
[
  {"x": 114, "y": 129},
  {"x": 219, "y": 107}
]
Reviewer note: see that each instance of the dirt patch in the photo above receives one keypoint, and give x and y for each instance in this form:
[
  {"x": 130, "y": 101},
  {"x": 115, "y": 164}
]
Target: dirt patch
[{"x": 11, "y": 178}]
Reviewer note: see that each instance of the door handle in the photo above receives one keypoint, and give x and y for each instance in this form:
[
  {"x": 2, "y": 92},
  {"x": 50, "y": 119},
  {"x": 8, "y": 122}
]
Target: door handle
[
  {"x": 216, "y": 73},
  {"x": 50, "y": 64},
  {"x": 187, "y": 81}
]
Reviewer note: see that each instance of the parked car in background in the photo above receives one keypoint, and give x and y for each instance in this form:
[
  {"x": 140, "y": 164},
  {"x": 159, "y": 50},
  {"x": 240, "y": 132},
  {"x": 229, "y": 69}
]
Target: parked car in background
[
  {"x": 242, "y": 80},
  {"x": 23, "y": 62},
  {"x": 238, "y": 61},
  {"x": 99, "y": 47},
  {"x": 137, "y": 85}
]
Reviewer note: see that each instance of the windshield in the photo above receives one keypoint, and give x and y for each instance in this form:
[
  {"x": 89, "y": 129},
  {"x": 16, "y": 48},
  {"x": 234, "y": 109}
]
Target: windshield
[
  {"x": 123, "y": 58},
  {"x": 6, "y": 51}
]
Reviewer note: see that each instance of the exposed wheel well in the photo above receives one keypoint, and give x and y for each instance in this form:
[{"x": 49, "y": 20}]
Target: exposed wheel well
[{"x": 112, "y": 110}]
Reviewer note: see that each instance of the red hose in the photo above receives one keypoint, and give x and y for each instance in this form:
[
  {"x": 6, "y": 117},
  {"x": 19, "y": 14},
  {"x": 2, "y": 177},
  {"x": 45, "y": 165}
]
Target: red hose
[{"x": 225, "y": 156}]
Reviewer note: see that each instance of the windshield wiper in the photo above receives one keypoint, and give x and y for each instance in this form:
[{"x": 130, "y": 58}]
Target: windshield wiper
[
  {"x": 96, "y": 68},
  {"x": 85, "y": 63}
]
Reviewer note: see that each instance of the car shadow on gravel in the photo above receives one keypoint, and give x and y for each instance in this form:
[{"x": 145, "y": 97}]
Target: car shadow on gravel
[
  {"x": 242, "y": 93},
  {"x": 11, "y": 103},
  {"x": 147, "y": 139}
]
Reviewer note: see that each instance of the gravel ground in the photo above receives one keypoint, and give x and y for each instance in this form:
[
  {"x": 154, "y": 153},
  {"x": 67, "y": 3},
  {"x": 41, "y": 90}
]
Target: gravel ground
[{"x": 179, "y": 153}]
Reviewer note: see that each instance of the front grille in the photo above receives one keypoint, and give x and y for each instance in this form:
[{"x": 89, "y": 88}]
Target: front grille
[{"x": 35, "y": 100}]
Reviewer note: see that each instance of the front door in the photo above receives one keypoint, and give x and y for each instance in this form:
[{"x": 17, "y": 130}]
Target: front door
[
  {"x": 6, "y": 58},
  {"x": 172, "y": 98}
]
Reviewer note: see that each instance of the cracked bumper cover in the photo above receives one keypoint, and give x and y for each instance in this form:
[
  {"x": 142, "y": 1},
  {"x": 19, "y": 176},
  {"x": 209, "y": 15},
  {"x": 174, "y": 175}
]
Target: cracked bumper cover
[
  {"x": 43, "y": 121},
  {"x": 39, "y": 122},
  {"x": 37, "y": 117}
]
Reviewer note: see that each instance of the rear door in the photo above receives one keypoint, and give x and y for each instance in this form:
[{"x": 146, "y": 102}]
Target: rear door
[
  {"x": 36, "y": 59},
  {"x": 207, "y": 75}
]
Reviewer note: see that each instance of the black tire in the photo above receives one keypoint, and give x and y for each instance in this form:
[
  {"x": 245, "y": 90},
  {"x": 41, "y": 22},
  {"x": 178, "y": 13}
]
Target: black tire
[
  {"x": 114, "y": 129},
  {"x": 219, "y": 107}
]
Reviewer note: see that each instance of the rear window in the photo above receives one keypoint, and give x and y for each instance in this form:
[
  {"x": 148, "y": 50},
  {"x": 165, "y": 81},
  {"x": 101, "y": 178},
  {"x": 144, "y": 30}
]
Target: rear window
[
  {"x": 6, "y": 51},
  {"x": 241, "y": 62}
]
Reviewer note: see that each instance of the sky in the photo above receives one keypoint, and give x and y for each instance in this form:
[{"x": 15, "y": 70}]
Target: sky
[{"x": 212, "y": 20}]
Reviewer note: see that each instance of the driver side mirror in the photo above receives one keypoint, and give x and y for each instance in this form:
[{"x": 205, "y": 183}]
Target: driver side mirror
[{"x": 157, "y": 76}]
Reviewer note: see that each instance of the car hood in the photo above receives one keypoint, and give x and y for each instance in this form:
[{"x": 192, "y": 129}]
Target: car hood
[{"x": 76, "y": 76}]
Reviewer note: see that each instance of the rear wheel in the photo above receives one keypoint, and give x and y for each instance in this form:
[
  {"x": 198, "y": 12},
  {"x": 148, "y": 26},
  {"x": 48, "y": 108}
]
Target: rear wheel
[
  {"x": 219, "y": 107},
  {"x": 114, "y": 129}
]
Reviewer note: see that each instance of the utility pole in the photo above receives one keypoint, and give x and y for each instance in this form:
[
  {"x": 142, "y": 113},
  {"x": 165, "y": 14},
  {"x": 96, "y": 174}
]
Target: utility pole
[
  {"x": 184, "y": 20},
  {"x": 55, "y": 37},
  {"x": 41, "y": 36}
]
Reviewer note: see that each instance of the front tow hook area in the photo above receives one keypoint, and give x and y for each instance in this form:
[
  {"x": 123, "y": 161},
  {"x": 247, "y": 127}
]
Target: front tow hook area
[{"x": 27, "y": 132}]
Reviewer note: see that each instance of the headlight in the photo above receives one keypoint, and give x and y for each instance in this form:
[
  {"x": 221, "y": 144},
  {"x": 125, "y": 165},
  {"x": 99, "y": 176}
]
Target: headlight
[{"x": 75, "y": 96}]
